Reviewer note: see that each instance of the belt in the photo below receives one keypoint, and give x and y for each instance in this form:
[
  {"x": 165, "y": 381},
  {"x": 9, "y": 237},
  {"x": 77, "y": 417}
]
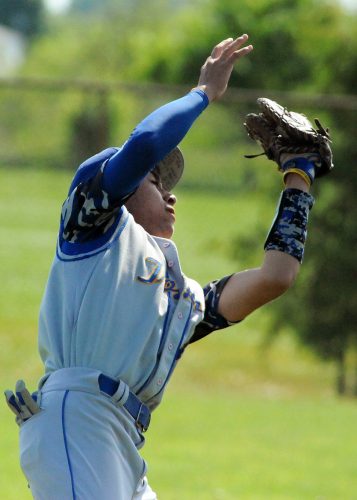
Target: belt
[{"x": 140, "y": 412}]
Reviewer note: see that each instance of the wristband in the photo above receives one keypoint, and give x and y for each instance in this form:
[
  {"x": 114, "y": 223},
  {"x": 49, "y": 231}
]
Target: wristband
[{"x": 301, "y": 165}]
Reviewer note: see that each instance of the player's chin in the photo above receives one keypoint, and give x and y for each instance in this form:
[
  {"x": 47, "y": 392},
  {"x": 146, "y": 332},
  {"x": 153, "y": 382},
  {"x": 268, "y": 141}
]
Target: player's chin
[
  {"x": 167, "y": 231},
  {"x": 172, "y": 232}
]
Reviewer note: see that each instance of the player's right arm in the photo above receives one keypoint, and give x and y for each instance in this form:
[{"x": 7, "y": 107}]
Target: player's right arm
[
  {"x": 165, "y": 128},
  {"x": 103, "y": 183},
  {"x": 150, "y": 142}
]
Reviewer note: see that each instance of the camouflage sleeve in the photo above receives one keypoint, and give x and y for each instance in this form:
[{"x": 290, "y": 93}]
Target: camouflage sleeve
[
  {"x": 88, "y": 213},
  {"x": 289, "y": 228},
  {"x": 212, "y": 320}
]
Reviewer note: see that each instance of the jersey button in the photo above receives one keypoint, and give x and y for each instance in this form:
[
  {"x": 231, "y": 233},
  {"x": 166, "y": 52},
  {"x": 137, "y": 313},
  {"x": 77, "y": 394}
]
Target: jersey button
[
  {"x": 170, "y": 347},
  {"x": 171, "y": 263},
  {"x": 159, "y": 381},
  {"x": 180, "y": 315},
  {"x": 166, "y": 244}
]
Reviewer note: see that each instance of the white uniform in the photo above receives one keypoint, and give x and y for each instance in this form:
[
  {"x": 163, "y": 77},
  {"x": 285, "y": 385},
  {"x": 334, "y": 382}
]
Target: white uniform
[
  {"x": 123, "y": 309},
  {"x": 115, "y": 318},
  {"x": 116, "y": 315}
]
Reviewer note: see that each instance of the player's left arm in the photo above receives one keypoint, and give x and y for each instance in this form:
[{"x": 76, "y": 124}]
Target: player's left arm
[
  {"x": 302, "y": 154},
  {"x": 230, "y": 299},
  {"x": 248, "y": 290}
]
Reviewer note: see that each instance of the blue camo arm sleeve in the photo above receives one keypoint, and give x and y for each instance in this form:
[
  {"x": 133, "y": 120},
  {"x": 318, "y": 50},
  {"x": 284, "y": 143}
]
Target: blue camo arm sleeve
[
  {"x": 289, "y": 229},
  {"x": 212, "y": 320},
  {"x": 287, "y": 234}
]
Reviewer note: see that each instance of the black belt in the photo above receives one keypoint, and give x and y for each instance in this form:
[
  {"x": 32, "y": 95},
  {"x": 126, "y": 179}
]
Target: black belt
[{"x": 140, "y": 412}]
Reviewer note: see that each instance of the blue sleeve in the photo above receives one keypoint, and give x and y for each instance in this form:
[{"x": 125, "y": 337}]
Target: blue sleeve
[
  {"x": 104, "y": 181},
  {"x": 150, "y": 142}
]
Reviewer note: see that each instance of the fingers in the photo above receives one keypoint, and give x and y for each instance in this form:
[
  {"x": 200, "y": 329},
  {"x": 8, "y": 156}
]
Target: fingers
[
  {"x": 22, "y": 404},
  {"x": 242, "y": 52},
  {"x": 237, "y": 43},
  {"x": 231, "y": 46},
  {"x": 12, "y": 403},
  {"x": 217, "y": 69},
  {"x": 218, "y": 49},
  {"x": 235, "y": 49},
  {"x": 25, "y": 397}
]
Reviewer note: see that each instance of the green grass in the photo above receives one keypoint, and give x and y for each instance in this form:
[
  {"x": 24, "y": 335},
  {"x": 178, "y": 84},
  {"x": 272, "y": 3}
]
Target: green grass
[
  {"x": 222, "y": 445},
  {"x": 238, "y": 420}
]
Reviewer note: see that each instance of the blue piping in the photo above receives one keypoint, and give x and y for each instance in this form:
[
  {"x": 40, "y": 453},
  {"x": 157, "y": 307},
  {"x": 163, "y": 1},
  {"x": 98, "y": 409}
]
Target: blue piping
[
  {"x": 163, "y": 338},
  {"x": 164, "y": 330},
  {"x": 66, "y": 445},
  {"x": 177, "y": 354},
  {"x": 102, "y": 249}
]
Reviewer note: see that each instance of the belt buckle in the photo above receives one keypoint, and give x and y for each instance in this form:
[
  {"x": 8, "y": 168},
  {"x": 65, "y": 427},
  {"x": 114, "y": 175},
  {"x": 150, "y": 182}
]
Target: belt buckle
[{"x": 140, "y": 424}]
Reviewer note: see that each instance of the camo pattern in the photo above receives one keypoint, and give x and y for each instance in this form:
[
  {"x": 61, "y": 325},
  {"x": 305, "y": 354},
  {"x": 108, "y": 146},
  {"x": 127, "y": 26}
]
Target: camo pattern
[
  {"x": 289, "y": 229},
  {"x": 212, "y": 320},
  {"x": 88, "y": 213}
]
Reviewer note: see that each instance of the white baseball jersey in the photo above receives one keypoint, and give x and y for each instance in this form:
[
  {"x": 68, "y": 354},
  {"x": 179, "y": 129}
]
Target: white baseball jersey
[{"x": 124, "y": 308}]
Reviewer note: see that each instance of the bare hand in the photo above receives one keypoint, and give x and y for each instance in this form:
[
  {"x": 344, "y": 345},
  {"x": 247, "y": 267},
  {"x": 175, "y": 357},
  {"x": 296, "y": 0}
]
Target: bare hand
[{"x": 216, "y": 71}]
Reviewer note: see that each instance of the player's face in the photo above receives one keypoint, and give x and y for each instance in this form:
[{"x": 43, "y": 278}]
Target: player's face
[{"x": 153, "y": 208}]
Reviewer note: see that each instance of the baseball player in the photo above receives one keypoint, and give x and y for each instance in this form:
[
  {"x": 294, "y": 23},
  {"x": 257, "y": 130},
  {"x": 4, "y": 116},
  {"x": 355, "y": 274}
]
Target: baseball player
[{"x": 118, "y": 312}]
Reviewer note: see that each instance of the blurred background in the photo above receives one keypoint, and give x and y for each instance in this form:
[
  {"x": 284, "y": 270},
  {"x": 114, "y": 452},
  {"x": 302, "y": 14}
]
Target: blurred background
[{"x": 266, "y": 409}]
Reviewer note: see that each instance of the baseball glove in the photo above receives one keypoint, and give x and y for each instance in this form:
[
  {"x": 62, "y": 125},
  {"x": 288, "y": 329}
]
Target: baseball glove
[{"x": 285, "y": 135}]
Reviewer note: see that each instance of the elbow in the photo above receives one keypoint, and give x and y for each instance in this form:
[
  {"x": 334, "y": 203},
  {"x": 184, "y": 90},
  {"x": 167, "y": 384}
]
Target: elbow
[
  {"x": 279, "y": 272},
  {"x": 146, "y": 144},
  {"x": 279, "y": 281}
]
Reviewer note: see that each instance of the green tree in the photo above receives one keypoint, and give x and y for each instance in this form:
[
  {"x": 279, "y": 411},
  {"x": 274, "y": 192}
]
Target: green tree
[
  {"x": 324, "y": 306},
  {"x": 25, "y": 16}
]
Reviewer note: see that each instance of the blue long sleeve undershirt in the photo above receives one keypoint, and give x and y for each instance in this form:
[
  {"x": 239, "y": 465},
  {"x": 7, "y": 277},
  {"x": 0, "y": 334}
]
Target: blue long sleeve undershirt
[
  {"x": 102, "y": 183},
  {"x": 150, "y": 142}
]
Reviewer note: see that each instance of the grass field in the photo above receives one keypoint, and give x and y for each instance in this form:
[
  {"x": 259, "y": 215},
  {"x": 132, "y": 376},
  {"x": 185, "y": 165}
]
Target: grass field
[{"x": 239, "y": 421}]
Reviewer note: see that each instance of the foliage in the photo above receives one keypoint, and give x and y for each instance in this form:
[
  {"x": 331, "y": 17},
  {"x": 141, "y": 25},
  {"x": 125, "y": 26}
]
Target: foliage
[
  {"x": 328, "y": 295},
  {"x": 22, "y": 15},
  {"x": 89, "y": 130},
  {"x": 296, "y": 42}
]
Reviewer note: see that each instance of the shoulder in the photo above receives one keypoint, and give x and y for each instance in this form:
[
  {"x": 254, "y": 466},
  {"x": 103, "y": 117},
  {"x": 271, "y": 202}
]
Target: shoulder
[{"x": 90, "y": 167}]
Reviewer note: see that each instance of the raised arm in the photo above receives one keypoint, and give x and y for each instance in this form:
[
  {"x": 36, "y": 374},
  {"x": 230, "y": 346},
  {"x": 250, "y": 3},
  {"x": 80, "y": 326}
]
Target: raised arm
[
  {"x": 149, "y": 143},
  {"x": 165, "y": 128},
  {"x": 104, "y": 182},
  {"x": 231, "y": 298},
  {"x": 248, "y": 290},
  {"x": 302, "y": 154}
]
